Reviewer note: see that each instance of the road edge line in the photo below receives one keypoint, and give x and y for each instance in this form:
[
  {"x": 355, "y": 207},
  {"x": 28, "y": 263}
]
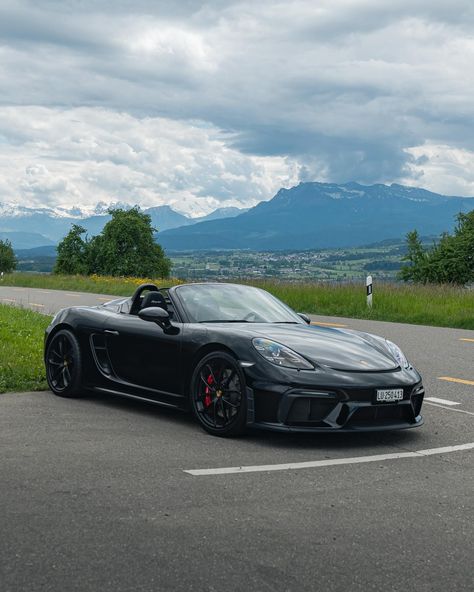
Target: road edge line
[{"x": 329, "y": 462}]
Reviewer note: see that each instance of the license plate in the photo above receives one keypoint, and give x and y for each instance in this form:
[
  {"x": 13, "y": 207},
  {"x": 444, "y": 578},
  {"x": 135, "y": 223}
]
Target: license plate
[{"x": 389, "y": 395}]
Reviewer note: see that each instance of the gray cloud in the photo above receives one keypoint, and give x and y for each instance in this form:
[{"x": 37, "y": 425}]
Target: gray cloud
[{"x": 335, "y": 90}]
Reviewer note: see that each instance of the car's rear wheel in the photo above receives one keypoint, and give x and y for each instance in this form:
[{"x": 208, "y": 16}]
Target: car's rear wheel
[
  {"x": 64, "y": 364},
  {"x": 218, "y": 395}
]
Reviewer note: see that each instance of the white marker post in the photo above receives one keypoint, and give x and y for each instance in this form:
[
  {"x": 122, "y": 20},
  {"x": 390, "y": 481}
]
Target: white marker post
[{"x": 368, "y": 283}]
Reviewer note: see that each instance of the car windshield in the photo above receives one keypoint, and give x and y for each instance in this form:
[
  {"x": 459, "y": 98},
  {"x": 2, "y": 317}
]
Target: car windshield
[{"x": 231, "y": 303}]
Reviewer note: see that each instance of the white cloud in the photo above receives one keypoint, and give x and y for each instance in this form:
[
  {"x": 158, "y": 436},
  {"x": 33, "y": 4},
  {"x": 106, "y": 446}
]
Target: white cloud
[
  {"x": 442, "y": 168},
  {"x": 82, "y": 156},
  {"x": 180, "y": 47}
]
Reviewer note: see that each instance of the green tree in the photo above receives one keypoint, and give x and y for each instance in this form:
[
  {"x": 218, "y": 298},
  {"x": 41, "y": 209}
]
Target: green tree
[
  {"x": 452, "y": 260},
  {"x": 449, "y": 261},
  {"x": 7, "y": 257},
  {"x": 126, "y": 247},
  {"x": 73, "y": 253},
  {"x": 417, "y": 259}
]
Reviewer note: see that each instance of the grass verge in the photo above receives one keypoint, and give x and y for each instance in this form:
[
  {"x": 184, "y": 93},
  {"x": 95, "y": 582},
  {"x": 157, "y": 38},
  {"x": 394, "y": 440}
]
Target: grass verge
[
  {"x": 443, "y": 306},
  {"x": 97, "y": 284},
  {"x": 21, "y": 349}
]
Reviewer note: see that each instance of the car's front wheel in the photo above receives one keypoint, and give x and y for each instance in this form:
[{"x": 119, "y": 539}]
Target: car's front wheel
[
  {"x": 64, "y": 364},
  {"x": 218, "y": 395}
]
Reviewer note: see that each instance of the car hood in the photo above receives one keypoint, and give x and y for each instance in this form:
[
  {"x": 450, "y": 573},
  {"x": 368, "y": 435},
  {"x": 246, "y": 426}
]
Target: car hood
[{"x": 340, "y": 349}]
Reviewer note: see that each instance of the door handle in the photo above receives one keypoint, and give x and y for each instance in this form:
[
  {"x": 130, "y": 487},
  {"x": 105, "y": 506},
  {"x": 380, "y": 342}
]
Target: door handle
[{"x": 111, "y": 332}]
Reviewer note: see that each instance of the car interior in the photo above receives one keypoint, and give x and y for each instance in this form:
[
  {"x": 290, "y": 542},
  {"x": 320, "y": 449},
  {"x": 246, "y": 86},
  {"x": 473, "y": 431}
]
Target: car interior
[{"x": 146, "y": 296}]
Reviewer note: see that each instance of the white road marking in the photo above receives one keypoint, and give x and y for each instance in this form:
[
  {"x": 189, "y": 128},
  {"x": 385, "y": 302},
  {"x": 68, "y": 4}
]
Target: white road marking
[
  {"x": 328, "y": 463},
  {"x": 73, "y": 295},
  {"x": 448, "y": 408},
  {"x": 35, "y": 304},
  {"x": 8, "y": 300},
  {"x": 327, "y": 324},
  {"x": 441, "y": 401}
]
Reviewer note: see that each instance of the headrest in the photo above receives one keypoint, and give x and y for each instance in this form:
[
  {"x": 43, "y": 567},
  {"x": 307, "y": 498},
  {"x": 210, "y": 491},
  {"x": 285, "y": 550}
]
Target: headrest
[{"x": 154, "y": 299}]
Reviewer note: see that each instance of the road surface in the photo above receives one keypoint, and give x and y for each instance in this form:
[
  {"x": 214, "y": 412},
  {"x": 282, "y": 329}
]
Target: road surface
[{"x": 105, "y": 494}]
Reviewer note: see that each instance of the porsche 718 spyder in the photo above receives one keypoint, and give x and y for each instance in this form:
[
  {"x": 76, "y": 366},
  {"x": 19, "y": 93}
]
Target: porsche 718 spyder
[{"x": 236, "y": 357}]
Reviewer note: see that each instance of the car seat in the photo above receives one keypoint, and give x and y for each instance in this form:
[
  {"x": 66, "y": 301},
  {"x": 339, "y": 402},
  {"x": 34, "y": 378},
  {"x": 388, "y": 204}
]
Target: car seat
[{"x": 154, "y": 299}]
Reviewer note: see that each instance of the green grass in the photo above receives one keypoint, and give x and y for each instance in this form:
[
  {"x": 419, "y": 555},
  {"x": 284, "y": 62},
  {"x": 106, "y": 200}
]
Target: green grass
[
  {"x": 79, "y": 283},
  {"x": 443, "y": 306},
  {"x": 21, "y": 349}
]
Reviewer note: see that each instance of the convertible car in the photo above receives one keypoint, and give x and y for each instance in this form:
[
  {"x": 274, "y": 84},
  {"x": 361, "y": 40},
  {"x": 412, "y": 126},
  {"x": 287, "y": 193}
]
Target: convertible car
[{"x": 236, "y": 357}]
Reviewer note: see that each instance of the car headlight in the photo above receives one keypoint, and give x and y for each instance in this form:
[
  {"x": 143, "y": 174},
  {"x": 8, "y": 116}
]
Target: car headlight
[
  {"x": 280, "y": 354},
  {"x": 397, "y": 354}
]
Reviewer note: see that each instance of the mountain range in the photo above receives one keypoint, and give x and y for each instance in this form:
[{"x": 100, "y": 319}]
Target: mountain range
[
  {"x": 324, "y": 215},
  {"x": 28, "y": 228},
  {"x": 26, "y": 240},
  {"x": 308, "y": 216}
]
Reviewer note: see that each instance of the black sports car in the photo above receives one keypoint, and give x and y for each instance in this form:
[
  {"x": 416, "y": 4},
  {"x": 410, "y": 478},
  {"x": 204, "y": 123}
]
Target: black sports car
[{"x": 236, "y": 357}]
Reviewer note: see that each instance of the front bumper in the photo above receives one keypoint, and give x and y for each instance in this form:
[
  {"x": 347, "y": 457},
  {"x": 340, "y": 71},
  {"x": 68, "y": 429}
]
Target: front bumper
[{"x": 303, "y": 409}]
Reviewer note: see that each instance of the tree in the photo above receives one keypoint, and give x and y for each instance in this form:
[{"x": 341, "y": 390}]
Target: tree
[
  {"x": 416, "y": 257},
  {"x": 125, "y": 247},
  {"x": 449, "y": 261},
  {"x": 73, "y": 253},
  {"x": 7, "y": 257},
  {"x": 452, "y": 260}
]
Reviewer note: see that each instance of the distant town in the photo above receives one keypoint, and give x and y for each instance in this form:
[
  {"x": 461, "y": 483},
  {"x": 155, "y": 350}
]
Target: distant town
[{"x": 329, "y": 265}]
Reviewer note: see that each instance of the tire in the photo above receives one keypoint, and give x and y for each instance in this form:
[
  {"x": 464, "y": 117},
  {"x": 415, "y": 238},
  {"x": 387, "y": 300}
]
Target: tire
[
  {"x": 63, "y": 361},
  {"x": 218, "y": 395}
]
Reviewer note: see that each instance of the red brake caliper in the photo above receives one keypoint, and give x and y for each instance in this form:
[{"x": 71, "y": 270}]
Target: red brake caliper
[{"x": 207, "y": 391}]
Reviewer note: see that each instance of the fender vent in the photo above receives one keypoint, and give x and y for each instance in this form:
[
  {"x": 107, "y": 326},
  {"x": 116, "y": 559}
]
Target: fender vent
[{"x": 101, "y": 356}]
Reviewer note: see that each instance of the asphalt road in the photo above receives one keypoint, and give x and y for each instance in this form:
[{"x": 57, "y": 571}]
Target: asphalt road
[
  {"x": 49, "y": 301},
  {"x": 95, "y": 495}
]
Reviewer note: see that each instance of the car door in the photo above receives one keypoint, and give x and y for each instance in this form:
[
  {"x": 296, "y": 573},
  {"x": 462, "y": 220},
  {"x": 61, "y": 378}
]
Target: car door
[{"x": 143, "y": 356}]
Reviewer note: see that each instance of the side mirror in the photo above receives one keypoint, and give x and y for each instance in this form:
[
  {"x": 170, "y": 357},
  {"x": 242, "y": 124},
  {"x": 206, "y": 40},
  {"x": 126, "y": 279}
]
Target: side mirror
[
  {"x": 305, "y": 318},
  {"x": 155, "y": 314}
]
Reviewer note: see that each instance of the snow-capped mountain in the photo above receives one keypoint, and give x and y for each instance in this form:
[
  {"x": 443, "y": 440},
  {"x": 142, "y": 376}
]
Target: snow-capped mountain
[
  {"x": 53, "y": 223},
  {"x": 308, "y": 216},
  {"x": 13, "y": 210}
]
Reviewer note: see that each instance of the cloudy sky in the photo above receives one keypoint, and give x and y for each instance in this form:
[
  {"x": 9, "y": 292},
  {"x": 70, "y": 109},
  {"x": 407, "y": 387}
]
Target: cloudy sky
[{"x": 202, "y": 104}]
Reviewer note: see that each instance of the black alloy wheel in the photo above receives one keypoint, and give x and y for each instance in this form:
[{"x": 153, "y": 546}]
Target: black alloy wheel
[
  {"x": 63, "y": 364},
  {"x": 218, "y": 395}
]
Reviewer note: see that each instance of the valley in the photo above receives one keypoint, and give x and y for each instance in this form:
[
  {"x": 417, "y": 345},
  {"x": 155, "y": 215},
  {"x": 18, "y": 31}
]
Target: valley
[{"x": 382, "y": 259}]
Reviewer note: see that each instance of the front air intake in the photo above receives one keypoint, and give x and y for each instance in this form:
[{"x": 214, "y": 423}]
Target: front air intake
[{"x": 310, "y": 411}]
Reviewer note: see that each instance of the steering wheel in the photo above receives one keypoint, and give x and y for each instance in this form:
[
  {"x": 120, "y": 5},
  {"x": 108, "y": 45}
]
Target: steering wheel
[{"x": 256, "y": 318}]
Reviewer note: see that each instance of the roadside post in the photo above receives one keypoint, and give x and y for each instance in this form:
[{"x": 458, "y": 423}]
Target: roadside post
[{"x": 368, "y": 283}]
